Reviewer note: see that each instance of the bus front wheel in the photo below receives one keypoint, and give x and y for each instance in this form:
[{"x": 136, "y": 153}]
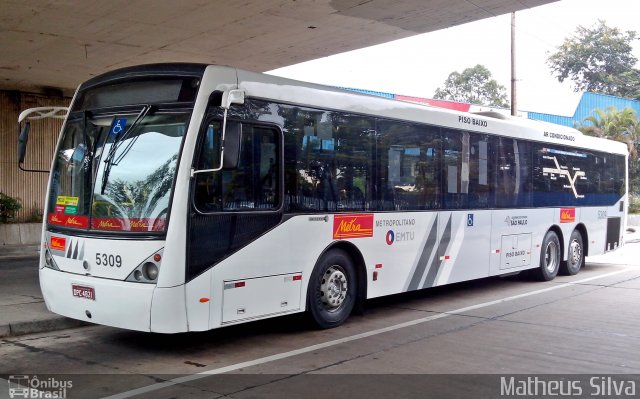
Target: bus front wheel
[
  {"x": 550, "y": 256},
  {"x": 332, "y": 289}
]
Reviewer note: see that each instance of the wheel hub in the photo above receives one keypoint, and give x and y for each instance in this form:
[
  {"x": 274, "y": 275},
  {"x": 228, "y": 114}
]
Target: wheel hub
[
  {"x": 550, "y": 257},
  {"x": 576, "y": 252},
  {"x": 334, "y": 288}
]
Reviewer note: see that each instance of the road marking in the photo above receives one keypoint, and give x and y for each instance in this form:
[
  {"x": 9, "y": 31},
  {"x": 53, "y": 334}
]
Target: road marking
[{"x": 284, "y": 355}]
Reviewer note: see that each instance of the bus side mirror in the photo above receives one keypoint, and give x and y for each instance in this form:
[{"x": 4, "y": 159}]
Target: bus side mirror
[
  {"x": 35, "y": 114},
  {"x": 231, "y": 152},
  {"x": 22, "y": 142},
  {"x": 230, "y": 135}
]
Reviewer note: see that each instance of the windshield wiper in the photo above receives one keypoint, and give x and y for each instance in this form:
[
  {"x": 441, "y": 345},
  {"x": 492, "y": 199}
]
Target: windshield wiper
[{"x": 119, "y": 139}]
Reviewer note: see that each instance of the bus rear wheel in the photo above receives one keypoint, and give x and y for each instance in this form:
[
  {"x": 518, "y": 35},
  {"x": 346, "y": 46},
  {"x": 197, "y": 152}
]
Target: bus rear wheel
[
  {"x": 575, "y": 257},
  {"x": 549, "y": 257},
  {"x": 332, "y": 289}
]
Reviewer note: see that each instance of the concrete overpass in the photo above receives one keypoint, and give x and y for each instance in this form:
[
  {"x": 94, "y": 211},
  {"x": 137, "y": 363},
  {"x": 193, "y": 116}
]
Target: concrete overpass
[
  {"x": 62, "y": 43},
  {"x": 49, "y": 47}
]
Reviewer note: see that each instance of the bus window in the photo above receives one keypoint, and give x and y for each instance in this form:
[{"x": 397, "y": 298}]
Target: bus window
[
  {"x": 253, "y": 184},
  {"x": 466, "y": 170},
  {"x": 408, "y": 166},
  {"x": 480, "y": 194},
  {"x": 567, "y": 176},
  {"x": 513, "y": 182},
  {"x": 456, "y": 169},
  {"x": 328, "y": 160},
  {"x": 353, "y": 162}
]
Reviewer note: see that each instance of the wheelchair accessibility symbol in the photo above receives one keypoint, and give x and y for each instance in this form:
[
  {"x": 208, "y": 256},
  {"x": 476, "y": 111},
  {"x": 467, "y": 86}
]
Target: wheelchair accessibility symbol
[{"x": 118, "y": 126}]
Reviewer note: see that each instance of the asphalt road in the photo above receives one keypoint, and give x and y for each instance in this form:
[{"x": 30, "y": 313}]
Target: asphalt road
[{"x": 475, "y": 339}]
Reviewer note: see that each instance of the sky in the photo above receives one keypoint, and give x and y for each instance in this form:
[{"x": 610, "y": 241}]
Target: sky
[{"x": 416, "y": 66}]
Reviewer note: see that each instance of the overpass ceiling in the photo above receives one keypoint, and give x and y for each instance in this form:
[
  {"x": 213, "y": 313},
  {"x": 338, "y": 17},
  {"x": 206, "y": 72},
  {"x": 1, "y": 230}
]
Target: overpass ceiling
[{"x": 62, "y": 43}]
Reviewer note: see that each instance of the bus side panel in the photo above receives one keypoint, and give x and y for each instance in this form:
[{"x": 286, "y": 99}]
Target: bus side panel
[
  {"x": 466, "y": 257},
  {"x": 168, "y": 313},
  {"x": 516, "y": 238},
  {"x": 402, "y": 248},
  {"x": 292, "y": 247},
  {"x": 595, "y": 221},
  {"x": 199, "y": 297}
]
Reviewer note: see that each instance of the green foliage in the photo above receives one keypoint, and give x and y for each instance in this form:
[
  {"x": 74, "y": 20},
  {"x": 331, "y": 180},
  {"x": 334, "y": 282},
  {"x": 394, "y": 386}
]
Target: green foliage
[
  {"x": 598, "y": 59},
  {"x": 8, "y": 207},
  {"x": 36, "y": 214},
  {"x": 475, "y": 86},
  {"x": 634, "y": 203},
  {"x": 622, "y": 126}
]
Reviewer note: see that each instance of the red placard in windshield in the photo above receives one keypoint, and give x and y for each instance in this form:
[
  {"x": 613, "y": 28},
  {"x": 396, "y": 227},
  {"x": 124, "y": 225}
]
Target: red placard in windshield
[{"x": 78, "y": 222}]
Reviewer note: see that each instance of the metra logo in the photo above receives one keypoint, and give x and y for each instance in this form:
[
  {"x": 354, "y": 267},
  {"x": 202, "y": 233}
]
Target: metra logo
[
  {"x": 567, "y": 215},
  {"x": 58, "y": 243},
  {"x": 109, "y": 224},
  {"x": 72, "y": 221},
  {"x": 55, "y": 219},
  {"x": 139, "y": 224},
  {"x": 352, "y": 226}
]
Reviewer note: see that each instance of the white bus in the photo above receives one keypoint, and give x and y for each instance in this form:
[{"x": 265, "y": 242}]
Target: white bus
[{"x": 187, "y": 197}]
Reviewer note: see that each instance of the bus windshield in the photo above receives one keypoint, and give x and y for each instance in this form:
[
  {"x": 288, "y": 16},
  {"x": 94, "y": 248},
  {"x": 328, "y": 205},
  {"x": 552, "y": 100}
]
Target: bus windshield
[{"x": 115, "y": 173}]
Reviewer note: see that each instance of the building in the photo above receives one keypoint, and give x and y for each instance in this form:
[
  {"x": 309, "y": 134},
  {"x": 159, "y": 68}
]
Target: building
[{"x": 589, "y": 102}]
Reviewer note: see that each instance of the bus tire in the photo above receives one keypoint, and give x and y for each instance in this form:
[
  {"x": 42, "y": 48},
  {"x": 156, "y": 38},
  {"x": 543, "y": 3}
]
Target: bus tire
[
  {"x": 332, "y": 290},
  {"x": 575, "y": 256},
  {"x": 550, "y": 256}
]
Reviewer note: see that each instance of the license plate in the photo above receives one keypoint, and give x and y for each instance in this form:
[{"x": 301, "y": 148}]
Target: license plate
[{"x": 84, "y": 292}]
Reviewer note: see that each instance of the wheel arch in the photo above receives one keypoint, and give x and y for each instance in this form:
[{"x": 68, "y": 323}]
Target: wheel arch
[{"x": 556, "y": 229}]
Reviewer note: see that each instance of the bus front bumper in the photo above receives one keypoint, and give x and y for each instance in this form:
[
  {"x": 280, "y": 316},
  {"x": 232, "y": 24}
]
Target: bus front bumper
[{"x": 96, "y": 300}]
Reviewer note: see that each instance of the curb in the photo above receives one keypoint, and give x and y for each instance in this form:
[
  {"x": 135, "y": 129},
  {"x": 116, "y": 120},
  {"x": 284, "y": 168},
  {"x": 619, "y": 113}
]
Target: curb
[
  {"x": 39, "y": 326},
  {"x": 8, "y": 252},
  {"x": 18, "y": 257}
]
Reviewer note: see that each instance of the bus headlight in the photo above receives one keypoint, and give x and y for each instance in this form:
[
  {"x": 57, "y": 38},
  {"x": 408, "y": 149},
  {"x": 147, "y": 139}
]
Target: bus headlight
[
  {"x": 49, "y": 262},
  {"x": 150, "y": 271}
]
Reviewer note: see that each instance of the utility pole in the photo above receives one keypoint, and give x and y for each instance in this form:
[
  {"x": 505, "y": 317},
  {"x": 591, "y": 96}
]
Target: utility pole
[{"x": 514, "y": 103}]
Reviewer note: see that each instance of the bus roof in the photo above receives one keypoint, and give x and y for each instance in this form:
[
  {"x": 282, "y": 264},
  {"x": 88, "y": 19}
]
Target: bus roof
[
  {"x": 284, "y": 90},
  {"x": 274, "y": 88}
]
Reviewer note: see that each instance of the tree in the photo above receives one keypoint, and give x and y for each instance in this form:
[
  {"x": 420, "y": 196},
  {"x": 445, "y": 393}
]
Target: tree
[
  {"x": 598, "y": 59},
  {"x": 475, "y": 86}
]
